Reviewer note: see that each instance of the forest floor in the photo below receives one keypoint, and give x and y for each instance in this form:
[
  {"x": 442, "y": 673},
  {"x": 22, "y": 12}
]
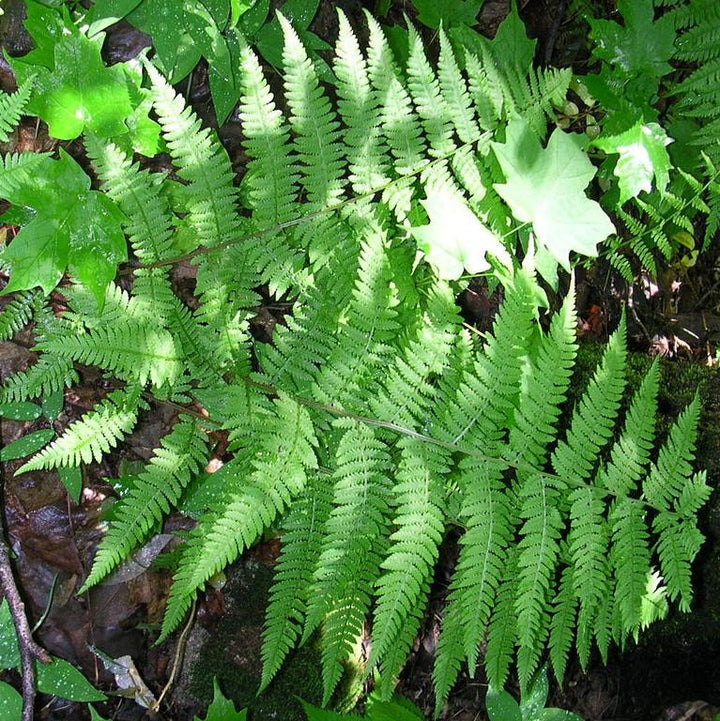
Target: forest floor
[{"x": 672, "y": 673}]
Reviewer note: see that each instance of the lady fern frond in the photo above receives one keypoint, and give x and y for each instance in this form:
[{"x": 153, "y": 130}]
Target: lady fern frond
[
  {"x": 12, "y": 107},
  {"x": 155, "y": 491},
  {"x": 137, "y": 350},
  {"x": 17, "y": 313},
  {"x": 302, "y": 536},
  {"x": 93, "y": 435},
  {"x": 312, "y": 117},
  {"x": 374, "y": 421},
  {"x": 354, "y": 539},
  {"x": 408, "y": 567},
  {"x": 138, "y": 194},
  {"x": 358, "y": 107},
  {"x": 284, "y": 455}
]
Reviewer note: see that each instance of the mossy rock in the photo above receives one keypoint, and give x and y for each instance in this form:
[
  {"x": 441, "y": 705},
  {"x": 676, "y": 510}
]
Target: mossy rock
[{"x": 232, "y": 654}]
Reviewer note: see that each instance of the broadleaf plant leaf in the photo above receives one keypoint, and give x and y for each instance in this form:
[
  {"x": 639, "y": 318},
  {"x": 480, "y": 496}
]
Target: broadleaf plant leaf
[
  {"x": 546, "y": 187},
  {"x": 221, "y": 708},
  {"x": 455, "y": 239},
  {"x": 71, "y": 225},
  {"x": 80, "y": 92},
  {"x": 641, "y": 45},
  {"x": 642, "y": 158},
  {"x": 60, "y": 678},
  {"x": 448, "y": 12}
]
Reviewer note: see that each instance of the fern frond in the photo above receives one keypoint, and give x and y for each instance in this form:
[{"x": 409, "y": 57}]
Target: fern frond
[
  {"x": 284, "y": 454},
  {"x": 12, "y": 107},
  {"x": 403, "y": 587},
  {"x": 630, "y": 558},
  {"x": 369, "y": 326},
  {"x": 358, "y": 106},
  {"x": 17, "y": 313},
  {"x": 631, "y": 452},
  {"x": 594, "y": 421},
  {"x": 271, "y": 177},
  {"x": 543, "y": 388},
  {"x": 49, "y": 375},
  {"x": 138, "y": 194},
  {"x": 502, "y": 630},
  {"x": 289, "y": 597},
  {"x": 93, "y": 435},
  {"x": 313, "y": 120},
  {"x": 408, "y": 394},
  {"x": 136, "y": 351},
  {"x": 455, "y": 93},
  {"x": 487, "y": 514},
  {"x": 153, "y": 495},
  {"x": 667, "y": 478},
  {"x": 562, "y": 623},
  {"x": 19, "y": 169},
  {"x": 210, "y": 197},
  {"x": 355, "y": 537},
  {"x": 589, "y": 542},
  {"x": 538, "y": 553},
  {"x": 425, "y": 91},
  {"x": 400, "y": 124}
]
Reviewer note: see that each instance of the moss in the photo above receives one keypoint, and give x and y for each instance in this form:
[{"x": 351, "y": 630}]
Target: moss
[{"x": 233, "y": 654}]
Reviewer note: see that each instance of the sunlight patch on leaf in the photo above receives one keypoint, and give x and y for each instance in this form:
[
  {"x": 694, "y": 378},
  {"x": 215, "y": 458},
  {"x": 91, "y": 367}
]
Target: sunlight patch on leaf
[
  {"x": 546, "y": 187},
  {"x": 455, "y": 240}
]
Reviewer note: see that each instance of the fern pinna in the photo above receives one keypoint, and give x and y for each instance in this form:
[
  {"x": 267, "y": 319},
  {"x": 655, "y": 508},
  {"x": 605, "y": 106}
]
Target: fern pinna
[{"x": 374, "y": 423}]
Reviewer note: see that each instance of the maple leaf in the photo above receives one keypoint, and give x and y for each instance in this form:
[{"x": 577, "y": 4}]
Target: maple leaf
[
  {"x": 642, "y": 46},
  {"x": 643, "y": 156},
  {"x": 546, "y": 187},
  {"x": 79, "y": 92},
  {"x": 455, "y": 239},
  {"x": 447, "y": 12},
  {"x": 69, "y": 225}
]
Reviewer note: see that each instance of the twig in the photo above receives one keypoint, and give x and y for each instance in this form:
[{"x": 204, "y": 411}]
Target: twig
[
  {"x": 29, "y": 650},
  {"x": 177, "y": 661}
]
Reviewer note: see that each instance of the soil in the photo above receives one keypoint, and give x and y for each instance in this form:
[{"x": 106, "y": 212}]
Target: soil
[{"x": 670, "y": 673}]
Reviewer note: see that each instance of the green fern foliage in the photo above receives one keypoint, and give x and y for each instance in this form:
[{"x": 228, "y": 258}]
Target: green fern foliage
[
  {"x": 11, "y": 108},
  {"x": 374, "y": 424},
  {"x": 93, "y": 435},
  {"x": 154, "y": 493}
]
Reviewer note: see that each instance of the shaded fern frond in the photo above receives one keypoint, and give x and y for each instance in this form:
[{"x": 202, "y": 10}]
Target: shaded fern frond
[
  {"x": 407, "y": 570},
  {"x": 283, "y": 456},
  {"x": 17, "y": 313},
  {"x": 301, "y": 548},
  {"x": 136, "y": 351},
  {"x": 12, "y": 107},
  {"x": 154, "y": 493},
  {"x": 354, "y": 541}
]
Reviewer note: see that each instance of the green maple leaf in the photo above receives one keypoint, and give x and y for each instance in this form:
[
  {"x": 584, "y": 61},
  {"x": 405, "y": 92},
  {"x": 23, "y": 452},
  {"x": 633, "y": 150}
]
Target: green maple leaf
[
  {"x": 455, "y": 240},
  {"x": 642, "y": 46},
  {"x": 447, "y": 12},
  {"x": 79, "y": 92},
  {"x": 643, "y": 156},
  {"x": 546, "y": 187},
  {"x": 70, "y": 226}
]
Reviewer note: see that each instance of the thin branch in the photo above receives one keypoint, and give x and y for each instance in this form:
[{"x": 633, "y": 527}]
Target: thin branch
[{"x": 29, "y": 650}]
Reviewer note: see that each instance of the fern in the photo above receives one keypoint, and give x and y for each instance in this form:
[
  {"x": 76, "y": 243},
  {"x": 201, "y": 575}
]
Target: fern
[
  {"x": 11, "y": 108},
  {"x": 16, "y": 314},
  {"x": 93, "y": 435},
  {"x": 374, "y": 421},
  {"x": 153, "y": 494}
]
